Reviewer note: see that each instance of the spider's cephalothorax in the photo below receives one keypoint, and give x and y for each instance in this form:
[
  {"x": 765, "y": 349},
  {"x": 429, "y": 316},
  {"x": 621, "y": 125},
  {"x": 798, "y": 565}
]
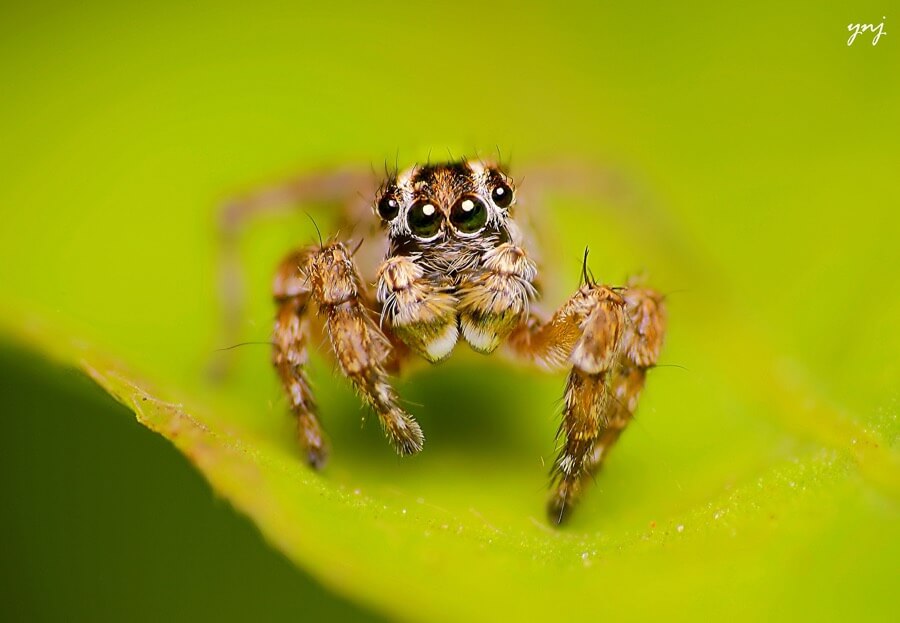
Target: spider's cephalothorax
[
  {"x": 454, "y": 262},
  {"x": 456, "y": 268}
]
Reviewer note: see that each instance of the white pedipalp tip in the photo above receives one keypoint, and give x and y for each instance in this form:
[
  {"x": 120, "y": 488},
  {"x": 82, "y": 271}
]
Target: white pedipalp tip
[
  {"x": 478, "y": 338},
  {"x": 443, "y": 344}
]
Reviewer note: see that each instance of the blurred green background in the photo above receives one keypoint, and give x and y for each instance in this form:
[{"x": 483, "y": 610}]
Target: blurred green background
[{"x": 764, "y": 154}]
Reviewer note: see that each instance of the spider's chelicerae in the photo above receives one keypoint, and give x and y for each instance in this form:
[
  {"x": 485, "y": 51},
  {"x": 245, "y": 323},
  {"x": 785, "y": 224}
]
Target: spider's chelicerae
[{"x": 456, "y": 269}]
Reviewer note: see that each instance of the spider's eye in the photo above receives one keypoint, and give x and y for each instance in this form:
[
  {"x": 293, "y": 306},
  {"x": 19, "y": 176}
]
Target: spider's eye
[
  {"x": 502, "y": 195},
  {"x": 388, "y": 207},
  {"x": 469, "y": 214},
  {"x": 424, "y": 219}
]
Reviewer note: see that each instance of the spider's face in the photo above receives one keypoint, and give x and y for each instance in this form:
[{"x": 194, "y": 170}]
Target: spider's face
[{"x": 457, "y": 201}]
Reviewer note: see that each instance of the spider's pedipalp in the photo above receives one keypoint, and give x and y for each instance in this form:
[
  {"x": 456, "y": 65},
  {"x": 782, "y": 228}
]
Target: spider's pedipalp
[
  {"x": 421, "y": 312},
  {"x": 493, "y": 302}
]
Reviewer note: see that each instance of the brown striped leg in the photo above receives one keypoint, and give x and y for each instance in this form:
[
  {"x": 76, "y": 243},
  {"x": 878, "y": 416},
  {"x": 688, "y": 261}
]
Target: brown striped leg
[
  {"x": 610, "y": 340},
  {"x": 290, "y": 355},
  {"x": 621, "y": 386},
  {"x": 641, "y": 342},
  {"x": 326, "y": 278},
  {"x": 345, "y": 188}
]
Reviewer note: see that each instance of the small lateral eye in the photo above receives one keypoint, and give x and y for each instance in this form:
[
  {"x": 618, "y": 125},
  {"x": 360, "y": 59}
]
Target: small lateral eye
[
  {"x": 502, "y": 195},
  {"x": 424, "y": 219},
  {"x": 388, "y": 207},
  {"x": 468, "y": 214}
]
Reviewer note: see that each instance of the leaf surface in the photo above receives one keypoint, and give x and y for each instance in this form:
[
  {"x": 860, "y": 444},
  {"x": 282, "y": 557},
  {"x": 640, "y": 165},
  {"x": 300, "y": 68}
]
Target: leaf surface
[{"x": 760, "y": 479}]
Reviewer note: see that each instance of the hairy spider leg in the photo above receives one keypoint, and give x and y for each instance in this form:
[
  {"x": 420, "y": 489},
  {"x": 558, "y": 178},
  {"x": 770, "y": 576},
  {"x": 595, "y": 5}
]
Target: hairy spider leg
[
  {"x": 344, "y": 188},
  {"x": 610, "y": 338},
  {"x": 325, "y": 280}
]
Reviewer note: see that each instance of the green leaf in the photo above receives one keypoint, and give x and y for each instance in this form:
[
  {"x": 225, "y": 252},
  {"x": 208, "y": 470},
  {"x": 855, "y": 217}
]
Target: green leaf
[{"x": 761, "y": 477}]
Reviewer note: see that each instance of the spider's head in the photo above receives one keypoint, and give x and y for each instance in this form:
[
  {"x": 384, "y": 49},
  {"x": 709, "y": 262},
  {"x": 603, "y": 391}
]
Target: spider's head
[{"x": 454, "y": 201}]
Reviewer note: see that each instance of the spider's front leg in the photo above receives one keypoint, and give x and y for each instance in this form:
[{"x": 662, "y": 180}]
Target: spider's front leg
[
  {"x": 326, "y": 278},
  {"x": 610, "y": 339},
  {"x": 341, "y": 188}
]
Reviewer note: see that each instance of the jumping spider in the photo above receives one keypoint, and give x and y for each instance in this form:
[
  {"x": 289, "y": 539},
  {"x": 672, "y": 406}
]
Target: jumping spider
[{"x": 456, "y": 268}]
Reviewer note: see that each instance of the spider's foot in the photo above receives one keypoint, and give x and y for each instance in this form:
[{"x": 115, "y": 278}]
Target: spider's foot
[
  {"x": 404, "y": 433},
  {"x": 312, "y": 442},
  {"x": 317, "y": 457},
  {"x": 562, "y": 501}
]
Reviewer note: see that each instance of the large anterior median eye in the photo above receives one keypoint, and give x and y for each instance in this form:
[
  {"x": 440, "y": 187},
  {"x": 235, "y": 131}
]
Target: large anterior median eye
[
  {"x": 469, "y": 214},
  {"x": 424, "y": 219}
]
